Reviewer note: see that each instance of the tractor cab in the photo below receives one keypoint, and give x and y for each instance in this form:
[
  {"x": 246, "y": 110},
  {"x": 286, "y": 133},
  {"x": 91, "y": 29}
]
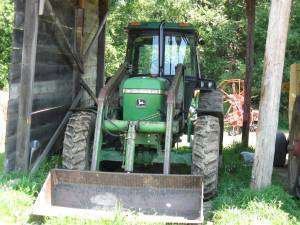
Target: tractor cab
[{"x": 155, "y": 49}]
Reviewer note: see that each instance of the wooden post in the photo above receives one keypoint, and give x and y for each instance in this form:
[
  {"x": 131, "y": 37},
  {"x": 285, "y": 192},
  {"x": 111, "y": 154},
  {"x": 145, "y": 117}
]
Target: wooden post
[
  {"x": 270, "y": 93},
  {"x": 78, "y": 46},
  {"x": 23, "y": 150},
  {"x": 103, "y": 8},
  {"x": 250, "y": 11}
]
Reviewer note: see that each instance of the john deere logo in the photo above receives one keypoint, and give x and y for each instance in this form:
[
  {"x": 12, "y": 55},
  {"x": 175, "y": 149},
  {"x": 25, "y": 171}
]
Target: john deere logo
[{"x": 140, "y": 103}]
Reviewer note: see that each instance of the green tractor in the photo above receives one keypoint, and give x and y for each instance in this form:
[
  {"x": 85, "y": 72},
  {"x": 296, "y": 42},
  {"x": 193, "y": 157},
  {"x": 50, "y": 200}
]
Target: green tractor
[{"x": 156, "y": 98}]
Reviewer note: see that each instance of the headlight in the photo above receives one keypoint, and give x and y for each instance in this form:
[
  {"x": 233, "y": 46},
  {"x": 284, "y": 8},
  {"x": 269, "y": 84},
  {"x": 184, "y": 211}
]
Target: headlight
[{"x": 202, "y": 84}]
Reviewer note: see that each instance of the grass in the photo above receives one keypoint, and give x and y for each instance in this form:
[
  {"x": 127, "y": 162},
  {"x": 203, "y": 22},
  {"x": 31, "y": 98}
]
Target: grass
[{"x": 236, "y": 203}]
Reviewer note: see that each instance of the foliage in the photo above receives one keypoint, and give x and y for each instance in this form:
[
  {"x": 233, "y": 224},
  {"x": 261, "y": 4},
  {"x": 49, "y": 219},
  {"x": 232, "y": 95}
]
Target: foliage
[
  {"x": 222, "y": 26},
  {"x": 6, "y": 27}
]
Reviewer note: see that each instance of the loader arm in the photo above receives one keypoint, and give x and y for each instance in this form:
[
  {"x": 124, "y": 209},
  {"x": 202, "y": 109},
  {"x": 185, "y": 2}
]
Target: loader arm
[
  {"x": 104, "y": 95},
  {"x": 171, "y": 102}
]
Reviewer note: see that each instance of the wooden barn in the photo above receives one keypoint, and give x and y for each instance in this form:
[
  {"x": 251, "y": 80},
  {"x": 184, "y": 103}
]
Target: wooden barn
[{"x": 57, "y": 46}]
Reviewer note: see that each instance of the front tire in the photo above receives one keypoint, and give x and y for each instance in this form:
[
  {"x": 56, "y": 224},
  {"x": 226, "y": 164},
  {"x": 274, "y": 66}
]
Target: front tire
[
  {"x": 205, "y": 153},
  {"x": 78, "y": 141}
]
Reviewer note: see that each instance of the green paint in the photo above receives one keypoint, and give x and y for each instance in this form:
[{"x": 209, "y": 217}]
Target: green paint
[
  {"x": 147, "y": 157},
  {"x": 139, "y": 104},
  {"x": 142, "y": 126},
  {"x": 130, "y": 147}
]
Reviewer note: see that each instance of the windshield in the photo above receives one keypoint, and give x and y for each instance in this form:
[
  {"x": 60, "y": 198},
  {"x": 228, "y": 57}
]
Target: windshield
[
  {"x": 177, "y": 50},
  {"x": 144, "y": 57}
]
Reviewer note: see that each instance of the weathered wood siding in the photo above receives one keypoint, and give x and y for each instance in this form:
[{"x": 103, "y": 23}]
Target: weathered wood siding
[
  {"x": 54, "y": 76},
  {"x": 294, "y": 87},
  {"x": 91, "y": 22}
]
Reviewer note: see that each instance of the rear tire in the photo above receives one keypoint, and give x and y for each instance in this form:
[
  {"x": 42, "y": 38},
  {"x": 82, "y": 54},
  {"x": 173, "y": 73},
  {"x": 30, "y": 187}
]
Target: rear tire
[
  {"x": 205, "y": 154},
  {"x": 280, "y": 150},
  {"x": 78, "y": 141}
]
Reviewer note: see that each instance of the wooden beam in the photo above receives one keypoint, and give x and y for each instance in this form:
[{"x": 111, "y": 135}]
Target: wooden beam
[
  {"x": 55, "y": 136},
  {"x": 78, "y": 46},
  {"x": 41, "y": 7},
  {"x": 26, "y": 84},
  {"x": 63, "y": 37},
  {"x": 103, "y": 9},
  {"x": 95, "y": 37},
  {"x": 250, "y": 11},
  {"x": 270, "y": 93}
]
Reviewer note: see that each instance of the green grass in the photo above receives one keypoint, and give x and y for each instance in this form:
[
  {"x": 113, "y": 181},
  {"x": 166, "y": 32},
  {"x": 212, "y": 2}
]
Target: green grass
[{"x": 236, "y": 203}]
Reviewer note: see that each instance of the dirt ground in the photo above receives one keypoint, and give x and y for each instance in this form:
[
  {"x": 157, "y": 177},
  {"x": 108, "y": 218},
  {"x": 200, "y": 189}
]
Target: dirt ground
[{"x": 3, "y": 112}]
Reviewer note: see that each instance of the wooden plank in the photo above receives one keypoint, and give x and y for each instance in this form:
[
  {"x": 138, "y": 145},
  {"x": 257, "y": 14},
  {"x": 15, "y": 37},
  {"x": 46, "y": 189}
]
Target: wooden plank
[
  {"x": 64, "y": 39},
  {"x": 250, "y": 11},
  {"x": 41, "y": 7},
  {"x": 96, "y": 36},
  {"x": 26, "y": 84},
  {"x": 43, "y": 55},
  {"x": 53, "y": 139},
  {"x": 103, "y": 9},
  {"x": 43, "y": 72},
  {"x": 78, "y": 46},
  {"x": 270, "y": 93},
  {"x": 294, "y": 88}
]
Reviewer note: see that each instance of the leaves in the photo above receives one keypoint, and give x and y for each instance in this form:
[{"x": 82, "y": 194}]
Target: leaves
[{"x": 6, "y": 27}]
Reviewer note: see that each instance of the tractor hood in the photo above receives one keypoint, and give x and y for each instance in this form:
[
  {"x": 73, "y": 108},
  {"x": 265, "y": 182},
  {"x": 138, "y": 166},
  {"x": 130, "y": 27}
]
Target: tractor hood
[{"x": 144, "y": 98}]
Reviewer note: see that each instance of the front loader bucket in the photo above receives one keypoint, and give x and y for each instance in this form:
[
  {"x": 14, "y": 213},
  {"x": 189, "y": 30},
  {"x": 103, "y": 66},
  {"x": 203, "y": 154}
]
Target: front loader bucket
[{"x": 138, "y": 197}]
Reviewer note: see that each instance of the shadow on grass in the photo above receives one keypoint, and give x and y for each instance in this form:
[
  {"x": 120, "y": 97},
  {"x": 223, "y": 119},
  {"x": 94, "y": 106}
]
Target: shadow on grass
[{"x": 235, "y": 196}]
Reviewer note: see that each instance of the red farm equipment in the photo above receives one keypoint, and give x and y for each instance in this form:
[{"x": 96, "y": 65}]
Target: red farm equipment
[{"x": 233, "y": 91}]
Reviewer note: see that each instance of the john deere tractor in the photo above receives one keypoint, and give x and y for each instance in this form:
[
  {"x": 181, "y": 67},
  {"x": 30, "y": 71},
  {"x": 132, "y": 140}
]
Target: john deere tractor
[{"x": 156, "y": 98}]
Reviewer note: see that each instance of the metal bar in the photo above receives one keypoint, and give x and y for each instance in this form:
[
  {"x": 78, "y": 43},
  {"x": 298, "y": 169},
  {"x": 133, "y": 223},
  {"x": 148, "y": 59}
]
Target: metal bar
[
  {"x": 105, "y": 92},
  {"x": 130, "y": 147},
  {"x": 171, "y": 100},
  {"x": 57, "y": 134},
  {"x": 86, "y": 53},
  {"x": 75, "y": 57},
  {"x": 142, "y": 126},
  {"x": 161, "y": 48},
  {"x": 26, "y": 84}
]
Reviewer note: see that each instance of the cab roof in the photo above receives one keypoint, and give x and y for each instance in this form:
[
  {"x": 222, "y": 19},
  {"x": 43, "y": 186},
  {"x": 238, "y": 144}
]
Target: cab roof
[{"x": 156, "y": 25}]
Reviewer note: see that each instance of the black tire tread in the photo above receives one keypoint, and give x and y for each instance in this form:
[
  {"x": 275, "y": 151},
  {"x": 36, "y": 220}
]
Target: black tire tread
[
  {"x": 280, "y": 150},
  {"x": 205, "y": 156},
  {"x": 76, "y": 145}
]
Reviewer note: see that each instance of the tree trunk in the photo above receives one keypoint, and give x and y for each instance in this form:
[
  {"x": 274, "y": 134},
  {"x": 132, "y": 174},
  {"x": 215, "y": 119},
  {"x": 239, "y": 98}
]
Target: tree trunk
[
  {"x": 270, "y": 93},
  {"x": 250, "y": 11}
]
